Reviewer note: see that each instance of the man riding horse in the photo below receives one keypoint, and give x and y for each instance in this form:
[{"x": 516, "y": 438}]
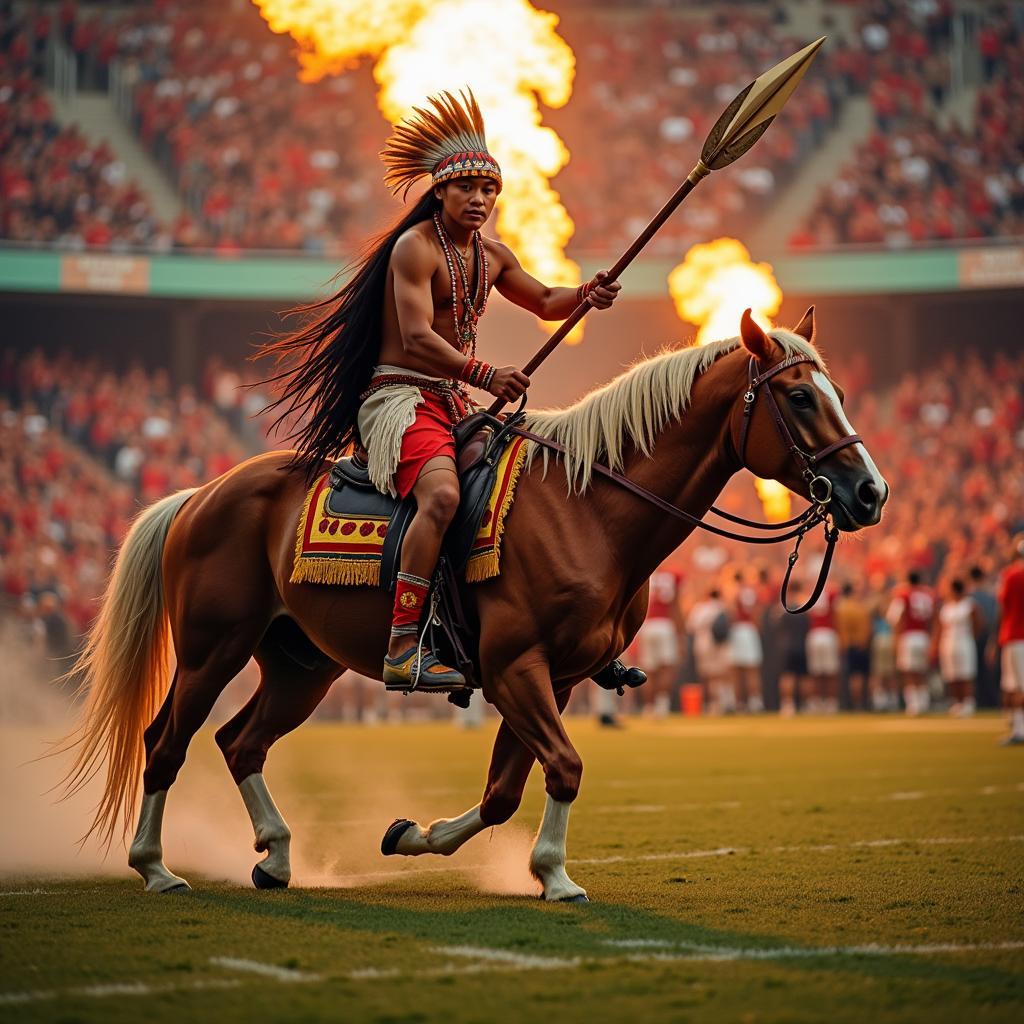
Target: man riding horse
[
  {"x": 209, "y": 571},
  {"x": 392, "y": 362}
]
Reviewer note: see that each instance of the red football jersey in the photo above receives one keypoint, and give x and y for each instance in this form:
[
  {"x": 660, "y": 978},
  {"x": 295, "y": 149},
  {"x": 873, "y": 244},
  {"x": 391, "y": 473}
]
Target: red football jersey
[
  {"x": 664, "y": 594},
  {"x": 744, "y": 605},
  {"x": 916, "y": 605},
  {"x": 1011, "y": 604},
  {"x": 822, "y": 612}
]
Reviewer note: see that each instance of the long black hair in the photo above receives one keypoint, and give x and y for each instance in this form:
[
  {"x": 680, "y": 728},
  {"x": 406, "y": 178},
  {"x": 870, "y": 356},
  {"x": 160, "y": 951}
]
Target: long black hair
[{"x": 321, "y": 369}]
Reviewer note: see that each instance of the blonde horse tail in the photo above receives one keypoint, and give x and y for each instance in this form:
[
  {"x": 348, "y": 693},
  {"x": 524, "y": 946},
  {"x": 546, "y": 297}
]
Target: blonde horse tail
[{"x": 124, "y": 669}]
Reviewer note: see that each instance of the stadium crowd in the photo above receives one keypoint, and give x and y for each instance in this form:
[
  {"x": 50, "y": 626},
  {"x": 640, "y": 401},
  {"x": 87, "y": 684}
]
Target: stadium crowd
[
  {"x": 83, "y": 445},
  {"x": 265, "y": 161},
  {"x": 219, "y": 105},
  {"x": 58, "y": 188},
  {"x": 923, "y": 177}
]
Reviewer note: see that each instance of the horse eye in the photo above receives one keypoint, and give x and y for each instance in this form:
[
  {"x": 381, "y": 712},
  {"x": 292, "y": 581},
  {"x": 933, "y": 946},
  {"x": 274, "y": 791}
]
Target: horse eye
[{"x": 800, "y": 399}]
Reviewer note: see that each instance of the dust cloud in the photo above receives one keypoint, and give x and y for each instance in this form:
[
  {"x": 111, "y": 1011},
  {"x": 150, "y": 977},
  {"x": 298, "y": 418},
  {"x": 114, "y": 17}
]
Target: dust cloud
[{"x": 207, "y": 833}]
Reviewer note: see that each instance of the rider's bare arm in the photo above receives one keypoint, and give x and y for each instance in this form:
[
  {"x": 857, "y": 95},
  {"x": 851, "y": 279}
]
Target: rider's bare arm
[
  {"x": 413, "y": 264},
  {"x": 547, "y": 303}
]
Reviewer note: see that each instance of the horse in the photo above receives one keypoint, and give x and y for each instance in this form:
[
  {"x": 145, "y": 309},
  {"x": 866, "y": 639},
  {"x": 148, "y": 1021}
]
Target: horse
[{"x": 207, "y": 572}]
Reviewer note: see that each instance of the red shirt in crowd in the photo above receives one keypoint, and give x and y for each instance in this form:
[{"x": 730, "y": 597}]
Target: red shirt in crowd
[
  {"x": 822, "y": 613},
  {"x": 912, "y": 608},
  {"x": 1011, "y": 603},
  {"x": 744, "y": 605},
  {"x": 664, "y": 594}
]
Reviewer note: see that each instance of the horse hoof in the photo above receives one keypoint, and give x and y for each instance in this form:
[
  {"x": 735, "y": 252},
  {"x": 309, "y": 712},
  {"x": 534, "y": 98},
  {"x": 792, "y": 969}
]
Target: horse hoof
[
  {"x": 264, "y": 881},
  {"x": 180, "y": 887},
  {"x": 397, "y": 829},
  {"x": 580, "y": 897}
]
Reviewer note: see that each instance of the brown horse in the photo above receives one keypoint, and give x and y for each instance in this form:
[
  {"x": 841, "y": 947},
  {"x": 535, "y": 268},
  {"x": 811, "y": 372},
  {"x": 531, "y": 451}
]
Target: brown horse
[{"x": 210, "y": 569}]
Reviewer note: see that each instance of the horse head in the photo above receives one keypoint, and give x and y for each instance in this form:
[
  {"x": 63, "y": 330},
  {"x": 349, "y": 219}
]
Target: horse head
[{"x": 791, "y": 427}]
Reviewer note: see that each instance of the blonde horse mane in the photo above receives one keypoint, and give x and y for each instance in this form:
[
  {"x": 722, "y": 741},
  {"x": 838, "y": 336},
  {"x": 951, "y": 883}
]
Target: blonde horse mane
[{"x": 634, "y": 407}]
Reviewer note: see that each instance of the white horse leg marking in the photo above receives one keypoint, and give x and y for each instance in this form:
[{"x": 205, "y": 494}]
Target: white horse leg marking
[
  {"x": 146, "y": 852},
  {"x": 271, "y": 832},
  {"x": 443, "y": 836},
  {"x": 547, "y": 858}
]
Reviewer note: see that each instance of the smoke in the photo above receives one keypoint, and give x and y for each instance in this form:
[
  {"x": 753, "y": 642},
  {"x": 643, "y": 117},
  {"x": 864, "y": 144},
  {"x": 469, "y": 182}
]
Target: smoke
[
  {"x": 42, "y": 839},
  {"x": 35, "y": 710},
  {"x": 207, "y": 833},
  {"x": 506, "y": 863}
]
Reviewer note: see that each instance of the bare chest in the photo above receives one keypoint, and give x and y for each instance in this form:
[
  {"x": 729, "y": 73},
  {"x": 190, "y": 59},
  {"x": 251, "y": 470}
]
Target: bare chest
[{"x": 459, "y": 290}]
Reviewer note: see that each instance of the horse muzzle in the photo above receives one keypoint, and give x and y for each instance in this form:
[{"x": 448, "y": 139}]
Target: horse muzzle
[{"x": 858, "y": 505}]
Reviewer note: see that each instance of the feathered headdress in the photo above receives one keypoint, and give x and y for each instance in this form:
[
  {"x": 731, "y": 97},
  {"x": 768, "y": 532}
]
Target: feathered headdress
[{"x": 446, "y": 143}]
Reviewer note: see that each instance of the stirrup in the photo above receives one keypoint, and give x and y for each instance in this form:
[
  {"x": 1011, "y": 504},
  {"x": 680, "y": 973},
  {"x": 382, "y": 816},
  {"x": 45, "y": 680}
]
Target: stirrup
[
  {"x": 400, "y": 674},
  {"x": 616, "y": 676}
]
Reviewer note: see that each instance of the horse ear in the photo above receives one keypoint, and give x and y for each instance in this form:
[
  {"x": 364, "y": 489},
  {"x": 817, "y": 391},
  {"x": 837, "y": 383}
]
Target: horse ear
[
  {"x": 806, "y": 326},
  {"x": 755, "y": 341}
]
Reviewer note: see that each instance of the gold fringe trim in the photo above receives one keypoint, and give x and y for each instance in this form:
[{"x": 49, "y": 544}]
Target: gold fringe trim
[
  {"x": 342, "y": 571},
  {"x": 337, "y": 571},
  {"x": 483, "y": 567},
  {"x": 297, "y": 560},
  {"x": 487, "y": 565}
]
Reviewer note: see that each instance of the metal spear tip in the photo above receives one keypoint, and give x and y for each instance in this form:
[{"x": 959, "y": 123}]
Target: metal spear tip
[{"x": 747, "y": 118}]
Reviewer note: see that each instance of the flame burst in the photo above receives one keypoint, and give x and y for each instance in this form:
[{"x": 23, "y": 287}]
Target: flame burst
[
  {"x": 711, "y": 288},
  {"x": 716, "y": 282},
  {"x": 507, "y": 51}
]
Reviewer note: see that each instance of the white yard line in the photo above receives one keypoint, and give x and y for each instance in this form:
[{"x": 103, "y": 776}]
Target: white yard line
[
  {"x": 658, "y": 951},
  {"x": 288, "y": 975},
  {"x": 523, "y": 961},
  {"x": 941, "y": 840},
  {"x": 70, "y": 891},
  {"x": 721, "y": 851},
  {"x": 484, "y": 959},
  {"x": 132, "y": 988},
  {"x": 141, "y": 988},
  {"x": 725, "y": 851},
  {"x": 683, "y": 951}
]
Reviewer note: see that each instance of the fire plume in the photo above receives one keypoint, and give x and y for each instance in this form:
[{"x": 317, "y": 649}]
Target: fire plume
[
  {"x": 507, "y": 51},
  {"x": 712, "y": 287},
  {"x": 717, "y": 281}
]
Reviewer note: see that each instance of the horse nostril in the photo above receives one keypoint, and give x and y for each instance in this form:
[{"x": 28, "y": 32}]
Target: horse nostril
[{"x": 867, "y": 493}]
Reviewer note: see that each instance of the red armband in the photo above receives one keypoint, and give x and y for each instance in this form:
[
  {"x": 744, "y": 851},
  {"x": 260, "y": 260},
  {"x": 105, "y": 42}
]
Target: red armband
[
  {"x": 474, "y": 372},
  {"x": 583, "y": 291}
]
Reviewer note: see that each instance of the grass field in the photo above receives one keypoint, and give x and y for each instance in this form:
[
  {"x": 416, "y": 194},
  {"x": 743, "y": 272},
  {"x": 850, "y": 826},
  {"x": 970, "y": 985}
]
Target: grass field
[{"x": 751, "y": 870}]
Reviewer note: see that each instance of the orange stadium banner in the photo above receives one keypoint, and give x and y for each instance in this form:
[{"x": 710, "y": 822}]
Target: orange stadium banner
[
  {"x": 122, "y": 275},
  {"x": 1001, "y": 267}
]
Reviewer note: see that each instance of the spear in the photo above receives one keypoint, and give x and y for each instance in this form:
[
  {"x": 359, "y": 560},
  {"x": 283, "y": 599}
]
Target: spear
[{"x": 744, "y": 121}]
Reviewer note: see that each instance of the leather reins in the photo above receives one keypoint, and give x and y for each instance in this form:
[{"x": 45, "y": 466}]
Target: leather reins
[{"x": 819, "y": 487}]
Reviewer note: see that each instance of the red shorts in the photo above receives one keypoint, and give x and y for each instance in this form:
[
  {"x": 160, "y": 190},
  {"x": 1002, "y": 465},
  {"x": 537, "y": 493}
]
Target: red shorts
[{"x": 427, "y": 437}]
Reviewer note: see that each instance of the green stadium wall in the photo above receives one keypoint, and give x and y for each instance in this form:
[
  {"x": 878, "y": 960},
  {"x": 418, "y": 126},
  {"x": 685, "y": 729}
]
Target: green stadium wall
[{"x": 253, "y": 277}]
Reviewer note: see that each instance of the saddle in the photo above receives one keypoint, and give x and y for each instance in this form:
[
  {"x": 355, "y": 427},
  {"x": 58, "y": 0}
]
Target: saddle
[{"x": 480, "y": 442}]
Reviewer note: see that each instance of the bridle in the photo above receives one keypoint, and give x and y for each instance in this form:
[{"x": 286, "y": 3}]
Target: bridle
[
  {"x": 819, "y": 487},
  {"x": 755, "y": 381}
]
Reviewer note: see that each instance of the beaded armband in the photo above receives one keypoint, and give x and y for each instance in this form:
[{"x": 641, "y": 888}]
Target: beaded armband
[
  {"x": 583, "y": 291},
  {"x": 476, "y": 372}
]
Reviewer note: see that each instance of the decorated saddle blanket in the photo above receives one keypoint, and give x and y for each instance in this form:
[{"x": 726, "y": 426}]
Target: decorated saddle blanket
[{"x": 352, "y": 534}]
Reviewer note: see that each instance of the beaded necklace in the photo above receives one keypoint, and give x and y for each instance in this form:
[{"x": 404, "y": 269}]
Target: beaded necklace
[{"x": 465, "y": 331}]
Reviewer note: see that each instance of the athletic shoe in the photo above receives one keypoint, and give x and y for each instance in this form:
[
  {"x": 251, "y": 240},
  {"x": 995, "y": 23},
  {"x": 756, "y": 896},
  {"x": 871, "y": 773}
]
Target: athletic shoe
[{"x": 408, "y": 673}]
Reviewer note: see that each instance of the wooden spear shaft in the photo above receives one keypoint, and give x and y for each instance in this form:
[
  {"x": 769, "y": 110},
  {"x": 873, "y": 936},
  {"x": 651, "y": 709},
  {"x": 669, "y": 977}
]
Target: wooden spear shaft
[
  {"x": 615, "y": 272},
  {"x": 744, "y": 121}
]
